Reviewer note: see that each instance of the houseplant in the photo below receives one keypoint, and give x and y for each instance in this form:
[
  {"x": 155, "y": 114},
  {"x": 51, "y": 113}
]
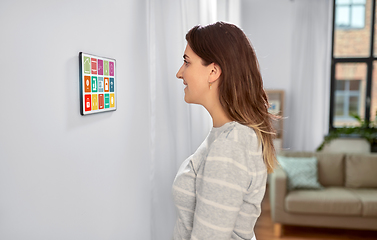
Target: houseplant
[{"x": 366, "y": 130}]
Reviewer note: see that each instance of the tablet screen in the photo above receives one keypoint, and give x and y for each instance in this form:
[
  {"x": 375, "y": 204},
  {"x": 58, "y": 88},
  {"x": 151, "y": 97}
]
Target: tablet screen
[{"x": 97, "y": 84}]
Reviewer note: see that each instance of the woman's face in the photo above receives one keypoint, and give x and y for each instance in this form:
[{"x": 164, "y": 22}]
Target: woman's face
[{"x": 195, "y": 76}]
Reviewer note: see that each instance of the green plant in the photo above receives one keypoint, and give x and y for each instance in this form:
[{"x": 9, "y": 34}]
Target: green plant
[{"x": 365, "y": 130}]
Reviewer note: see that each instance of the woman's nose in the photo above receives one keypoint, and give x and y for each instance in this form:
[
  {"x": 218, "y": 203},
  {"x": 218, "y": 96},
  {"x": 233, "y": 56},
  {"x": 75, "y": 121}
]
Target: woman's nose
[{"x": 179, "y": 73}]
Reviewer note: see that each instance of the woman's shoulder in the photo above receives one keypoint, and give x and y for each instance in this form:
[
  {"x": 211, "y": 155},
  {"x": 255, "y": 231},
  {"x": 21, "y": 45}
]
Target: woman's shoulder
[
  {"x": 240, "y": 143},
  {"x": 239, "y": 133}
]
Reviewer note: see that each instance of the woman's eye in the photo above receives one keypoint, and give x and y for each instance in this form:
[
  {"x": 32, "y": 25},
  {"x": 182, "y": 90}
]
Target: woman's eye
[{"x": 185, "y": 62}]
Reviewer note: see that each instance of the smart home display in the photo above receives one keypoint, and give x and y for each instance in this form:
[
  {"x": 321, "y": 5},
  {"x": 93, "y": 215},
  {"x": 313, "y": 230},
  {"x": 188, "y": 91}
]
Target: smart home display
[{"x": 97, "y": 84}]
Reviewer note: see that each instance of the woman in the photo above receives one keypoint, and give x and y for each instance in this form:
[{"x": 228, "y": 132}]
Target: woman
[{"x": 218, "y": 190}]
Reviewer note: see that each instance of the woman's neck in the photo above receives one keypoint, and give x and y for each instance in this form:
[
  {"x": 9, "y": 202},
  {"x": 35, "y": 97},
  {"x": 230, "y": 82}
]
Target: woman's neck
[
  {"x": 220, "y": 122},
  {"x": 219, "y": 117}
]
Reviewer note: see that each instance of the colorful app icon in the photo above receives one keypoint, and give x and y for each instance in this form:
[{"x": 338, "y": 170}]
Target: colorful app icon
[
  {"x": 111, "y": 68},
  {"x": 106, "y": 84},
  {"x": 87, "y": 65},
  {"x": 94, "y": 84},
  {"x": 88, "y": 102},
  {"x": 107, "y": 100},
  {"x": 94, "y": 102},
  {"x": 100, "y": 67},
  {"x": 106, "y": 68},
  {"x": 111, "y": 84},
  {"x": 100, "y": 84},
  {"x": 112, "y": 100},
  {"x": 94, "y": 66},
  {"x": 100, "y": 101},
  {"x": 87, "y": 83}
]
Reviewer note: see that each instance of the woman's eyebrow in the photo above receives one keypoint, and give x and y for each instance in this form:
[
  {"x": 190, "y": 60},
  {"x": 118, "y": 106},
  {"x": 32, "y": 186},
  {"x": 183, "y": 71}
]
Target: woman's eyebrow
[{"x": 185, "y": 56}]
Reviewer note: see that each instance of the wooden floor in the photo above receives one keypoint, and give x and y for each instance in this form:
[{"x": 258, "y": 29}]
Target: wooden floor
[{"x": 264, "y": 229}]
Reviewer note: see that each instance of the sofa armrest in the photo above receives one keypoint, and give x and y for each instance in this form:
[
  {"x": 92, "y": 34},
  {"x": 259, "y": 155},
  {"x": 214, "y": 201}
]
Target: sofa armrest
[{"x": 278, "y": 191}]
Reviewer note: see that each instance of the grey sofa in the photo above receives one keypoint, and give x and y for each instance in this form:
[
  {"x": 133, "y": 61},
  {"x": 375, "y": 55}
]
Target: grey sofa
[{"x": 348, "y": 199}]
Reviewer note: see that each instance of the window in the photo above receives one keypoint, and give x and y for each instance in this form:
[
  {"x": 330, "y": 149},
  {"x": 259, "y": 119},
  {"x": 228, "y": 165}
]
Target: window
[
  {"x": 354, "y": 63},
  {"x": 350, "y": 14},
  {"x": 347, "y": 96}
]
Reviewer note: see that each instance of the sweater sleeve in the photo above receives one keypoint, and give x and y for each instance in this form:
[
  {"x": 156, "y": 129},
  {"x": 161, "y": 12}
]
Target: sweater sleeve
[{"x": 220, "y": 188}]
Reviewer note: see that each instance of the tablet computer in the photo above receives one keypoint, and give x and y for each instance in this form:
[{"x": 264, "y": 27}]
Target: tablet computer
[{"x": 98, "y": 84}]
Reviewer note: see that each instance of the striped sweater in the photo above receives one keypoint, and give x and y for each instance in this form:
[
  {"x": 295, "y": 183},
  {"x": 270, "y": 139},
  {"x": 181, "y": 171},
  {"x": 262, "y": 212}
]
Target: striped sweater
[{"x": 218, "y": 190}]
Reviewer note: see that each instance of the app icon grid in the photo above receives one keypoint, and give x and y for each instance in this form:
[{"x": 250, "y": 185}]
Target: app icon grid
[{"x": 98, "y": 84}]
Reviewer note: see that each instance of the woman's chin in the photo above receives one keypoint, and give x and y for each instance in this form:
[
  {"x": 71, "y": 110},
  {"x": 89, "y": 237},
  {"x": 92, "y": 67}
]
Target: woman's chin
[{"x": 187, "y": 99}]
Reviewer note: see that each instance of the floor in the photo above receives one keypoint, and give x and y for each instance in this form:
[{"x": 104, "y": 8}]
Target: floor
[{"x": 264, "y": 230}]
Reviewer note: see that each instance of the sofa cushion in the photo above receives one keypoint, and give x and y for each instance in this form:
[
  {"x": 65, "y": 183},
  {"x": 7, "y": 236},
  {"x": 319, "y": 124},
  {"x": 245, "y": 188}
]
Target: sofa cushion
[
  {"x": 368, "y": 198},
  {"x": 330, "y": 166},
  {"x": 361, "y": 170},
  {"x": 327, "y": 201},
  {"x": 330, "y": 169},
  {"x": 301, "y": 172}
]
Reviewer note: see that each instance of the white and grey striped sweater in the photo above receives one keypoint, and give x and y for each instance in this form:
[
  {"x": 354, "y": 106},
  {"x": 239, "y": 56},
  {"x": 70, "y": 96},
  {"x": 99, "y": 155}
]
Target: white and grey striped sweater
[{"x": 218, "y": 190}]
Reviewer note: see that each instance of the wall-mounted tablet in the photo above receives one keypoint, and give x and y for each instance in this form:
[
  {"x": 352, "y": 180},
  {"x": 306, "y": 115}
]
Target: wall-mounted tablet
[{"x": 98, "y": 84}]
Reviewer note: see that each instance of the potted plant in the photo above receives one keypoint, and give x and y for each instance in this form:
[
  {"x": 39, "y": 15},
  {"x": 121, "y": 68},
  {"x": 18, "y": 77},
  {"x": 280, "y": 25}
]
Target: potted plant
[{"x": 366, "y": 130}]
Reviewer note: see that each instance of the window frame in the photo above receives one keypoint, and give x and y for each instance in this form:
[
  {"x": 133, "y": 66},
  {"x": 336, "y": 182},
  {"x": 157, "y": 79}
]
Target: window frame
[{"x": 367, "y": 60}]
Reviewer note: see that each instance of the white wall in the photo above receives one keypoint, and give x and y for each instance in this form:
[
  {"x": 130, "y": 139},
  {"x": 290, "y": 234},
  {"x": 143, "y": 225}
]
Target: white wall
[
  {"x": 63, "y": 175},
  {"x": 268, "y": 24}
]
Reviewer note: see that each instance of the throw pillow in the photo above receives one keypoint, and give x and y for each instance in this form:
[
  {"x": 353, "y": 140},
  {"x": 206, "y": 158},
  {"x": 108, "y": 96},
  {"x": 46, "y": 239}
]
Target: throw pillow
[{"x": 301, "y": 172}]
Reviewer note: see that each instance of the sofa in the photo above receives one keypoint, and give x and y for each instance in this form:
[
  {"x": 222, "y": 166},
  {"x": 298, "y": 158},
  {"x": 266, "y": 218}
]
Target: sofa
[{"x": 346, "y": 198}]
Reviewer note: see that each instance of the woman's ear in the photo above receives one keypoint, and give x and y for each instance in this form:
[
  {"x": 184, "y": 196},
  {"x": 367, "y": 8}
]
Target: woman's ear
[{"x": 215, "y": 73}]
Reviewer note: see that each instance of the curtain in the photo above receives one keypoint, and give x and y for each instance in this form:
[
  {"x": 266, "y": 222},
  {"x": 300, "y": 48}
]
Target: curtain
[
  {"x": 177, "y": 128},
  {"x": 308, "y": 96}
]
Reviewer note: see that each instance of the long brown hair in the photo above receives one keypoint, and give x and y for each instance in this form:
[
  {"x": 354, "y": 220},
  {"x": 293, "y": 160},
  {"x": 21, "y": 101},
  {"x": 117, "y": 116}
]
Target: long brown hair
[{"x": 241, "y": 91}]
